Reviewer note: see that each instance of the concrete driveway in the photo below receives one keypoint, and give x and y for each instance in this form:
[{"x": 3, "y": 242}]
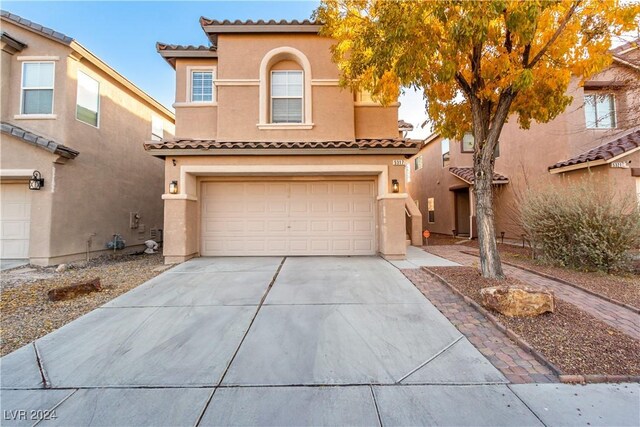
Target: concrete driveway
[{"x": 275, "y": 341}]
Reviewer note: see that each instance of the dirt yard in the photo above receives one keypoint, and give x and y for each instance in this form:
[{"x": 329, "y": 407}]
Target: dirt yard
[{"x": 27, "y": 313}]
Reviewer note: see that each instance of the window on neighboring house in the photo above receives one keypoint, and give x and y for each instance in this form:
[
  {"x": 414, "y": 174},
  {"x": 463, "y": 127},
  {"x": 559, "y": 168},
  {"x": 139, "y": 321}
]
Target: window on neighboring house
[
  {"x": 157, "y": 129},
  {"x": 202, "y": 86},
  {"x": 599, "y": 111},
  {"x": 417, "y": 163},
  {"x": 445, "y": 153},
  {"x": 286, "y": 96},
  {"x": 407, "y": 173},
  {"x": 468, "y": 143},
  {"x": 431, "y": 210},
  {"x": 37, "y": 87},
  {"x": 88, "y": 100}
]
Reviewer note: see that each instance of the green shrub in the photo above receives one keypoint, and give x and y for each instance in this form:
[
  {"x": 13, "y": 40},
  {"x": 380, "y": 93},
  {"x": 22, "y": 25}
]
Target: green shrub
[{"x": 582, "y": 226}]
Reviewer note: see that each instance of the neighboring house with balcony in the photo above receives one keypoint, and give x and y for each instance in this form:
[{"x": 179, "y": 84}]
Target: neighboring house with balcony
[
  {"x": 598, "y": 135},
  {"x": 271, "y": 156},
  {"x": 74, "y": 127}
]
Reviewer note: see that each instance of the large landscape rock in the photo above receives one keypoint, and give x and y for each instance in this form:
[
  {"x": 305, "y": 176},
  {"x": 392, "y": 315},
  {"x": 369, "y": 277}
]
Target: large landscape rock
[{"x": 516, "y": 301}]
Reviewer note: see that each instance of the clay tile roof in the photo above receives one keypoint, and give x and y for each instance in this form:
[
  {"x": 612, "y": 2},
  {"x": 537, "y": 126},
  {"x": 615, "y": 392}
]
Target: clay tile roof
[
  {"x": 38, "y": 141},
  {"x": 404, "y": 126},
  {"x": 207, "y": 21},
  {"x": 171, "y": 47},
  {"x": 47, "y": 32},
  {"x": 604, "y": 152},
  {"x": 466, "y": 174},
  {"x": 358, "y": 144}
]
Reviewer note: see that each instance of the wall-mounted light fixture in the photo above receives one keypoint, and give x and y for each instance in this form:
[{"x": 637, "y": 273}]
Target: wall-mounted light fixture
[
  {"x": 173, "y": 187},
  {"x": 36, "y": 182},
  {"x": 395, "y": 186}
]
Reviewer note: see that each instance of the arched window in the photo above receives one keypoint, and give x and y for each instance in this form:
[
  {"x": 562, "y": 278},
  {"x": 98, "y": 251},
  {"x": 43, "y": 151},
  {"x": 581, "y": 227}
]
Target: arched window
[{"x": 285, "y": 90}]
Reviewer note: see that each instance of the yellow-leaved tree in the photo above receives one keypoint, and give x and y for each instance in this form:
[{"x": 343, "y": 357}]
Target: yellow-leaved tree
[{"x": 478, "y": 63}]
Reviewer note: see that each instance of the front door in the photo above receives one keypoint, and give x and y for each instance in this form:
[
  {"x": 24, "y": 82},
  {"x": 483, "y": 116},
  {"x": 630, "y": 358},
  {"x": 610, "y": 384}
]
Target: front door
[{"x": 463, "y": 212}]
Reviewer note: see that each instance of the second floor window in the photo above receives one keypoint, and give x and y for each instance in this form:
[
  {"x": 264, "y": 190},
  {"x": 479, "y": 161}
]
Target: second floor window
[
  {"x": 599, "y": 111},
  {"x": 157, "y": 129},
  {"x": 37, "y": 88},
  {"x": 286, "y": 97},
  {"x": 445, "y": 153},
  {"x": 202, "y": 86},
  {"x": 88, "y": 100}
]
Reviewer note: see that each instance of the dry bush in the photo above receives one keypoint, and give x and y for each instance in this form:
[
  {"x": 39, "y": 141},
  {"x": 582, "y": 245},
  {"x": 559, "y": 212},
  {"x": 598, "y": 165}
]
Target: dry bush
[{"x": 581, "y": 225}]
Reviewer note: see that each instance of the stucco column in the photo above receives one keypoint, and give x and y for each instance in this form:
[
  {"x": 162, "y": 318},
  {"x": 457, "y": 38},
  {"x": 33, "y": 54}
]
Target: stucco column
[
  {"x": 392, "y": 232},
  {"x": 180, "y": 228}
]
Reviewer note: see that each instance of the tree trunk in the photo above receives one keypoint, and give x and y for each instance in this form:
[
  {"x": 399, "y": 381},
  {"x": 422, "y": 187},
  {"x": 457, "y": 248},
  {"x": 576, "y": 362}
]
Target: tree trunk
[{"x": 483, "y": 191}]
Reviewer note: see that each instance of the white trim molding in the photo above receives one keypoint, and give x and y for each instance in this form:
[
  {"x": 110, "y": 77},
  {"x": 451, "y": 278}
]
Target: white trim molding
[
  {"x": 21, "y": 174},
  {"x": 38, "y": 58},
  {"x": 285, "y": 126},
  {"x": 35, "y": 116},
  {"x": 194, "y": 104},
  {"x": 269, "y": 60}
]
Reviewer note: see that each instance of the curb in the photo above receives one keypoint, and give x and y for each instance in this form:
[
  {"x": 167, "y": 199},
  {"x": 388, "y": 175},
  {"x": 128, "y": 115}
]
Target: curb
[
  {"x": 563, "y": 378},
  {"x": 565, "y": 282}
]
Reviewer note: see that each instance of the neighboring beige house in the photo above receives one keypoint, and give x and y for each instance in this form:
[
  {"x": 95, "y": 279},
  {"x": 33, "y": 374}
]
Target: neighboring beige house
[
  {"x": 80, "y": 124},
  {"x": 598, "y": 134},
  {"x": 272, "y": 157}
]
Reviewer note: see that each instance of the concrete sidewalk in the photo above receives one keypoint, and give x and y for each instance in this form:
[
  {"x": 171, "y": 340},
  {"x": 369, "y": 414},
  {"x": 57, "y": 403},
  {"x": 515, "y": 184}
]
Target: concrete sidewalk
[{"x": 273, "y": 341}]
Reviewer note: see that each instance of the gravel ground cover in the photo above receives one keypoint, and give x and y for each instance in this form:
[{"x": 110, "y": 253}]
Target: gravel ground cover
[
  {"x": 574, "y": 341},
  {"x": 623, "y": 288},
  {"x": 26, "y": 312}
]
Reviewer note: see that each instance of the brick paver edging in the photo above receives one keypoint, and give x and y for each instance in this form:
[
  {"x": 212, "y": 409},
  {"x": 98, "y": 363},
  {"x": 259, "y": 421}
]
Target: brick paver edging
[
  {"x": 508, "y": 332},
  {"x": 527, "y": 347},
  {"x": 565, "y": 282}
]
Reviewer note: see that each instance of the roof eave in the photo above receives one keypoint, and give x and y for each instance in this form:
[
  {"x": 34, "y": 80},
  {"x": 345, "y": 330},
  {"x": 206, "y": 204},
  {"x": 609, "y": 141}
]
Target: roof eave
[
  {"x": 592, "y": 163},
  {"x": 162, "y": 152}
]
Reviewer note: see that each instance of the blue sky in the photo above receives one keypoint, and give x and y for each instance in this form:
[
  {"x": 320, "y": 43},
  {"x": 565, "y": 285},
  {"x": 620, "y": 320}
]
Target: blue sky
[{"x": 124, "y": 34}]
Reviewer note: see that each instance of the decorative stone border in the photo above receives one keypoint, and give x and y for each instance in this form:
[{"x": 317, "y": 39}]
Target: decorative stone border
[
  {"x": 528, "y": 348},
  {"x": 565, "y": 282}
]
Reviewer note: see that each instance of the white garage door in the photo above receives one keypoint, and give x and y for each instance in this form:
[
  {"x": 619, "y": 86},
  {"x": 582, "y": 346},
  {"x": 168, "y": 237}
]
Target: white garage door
[
  {"x": 288, "y": 218},
  {"x": 15, "y": 214}
]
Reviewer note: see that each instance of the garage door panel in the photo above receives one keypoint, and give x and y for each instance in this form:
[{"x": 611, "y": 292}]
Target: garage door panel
[
  {"x": 289, "y": 218},
  {"x": 15, "y": 224}
]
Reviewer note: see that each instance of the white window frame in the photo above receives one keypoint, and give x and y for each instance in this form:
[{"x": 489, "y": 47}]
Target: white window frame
[
  {"x": 271, "y": 98},
  {"x": 161, "y": 137},
  {"x": 205, "y": 69},
  {"x": 595, "y": 107},
  {"x": 97, "y": 126},
  {"x": 53, "y": 91}
]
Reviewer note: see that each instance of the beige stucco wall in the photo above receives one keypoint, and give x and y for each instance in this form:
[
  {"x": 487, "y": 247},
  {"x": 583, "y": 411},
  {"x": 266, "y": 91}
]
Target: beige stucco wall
[
  {"x": 236, "y": 115},
  {"x": 91, "y": 196}
]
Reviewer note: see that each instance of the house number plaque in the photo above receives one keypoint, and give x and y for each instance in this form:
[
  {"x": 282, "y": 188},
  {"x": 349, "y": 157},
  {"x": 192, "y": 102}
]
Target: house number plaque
[{"x": 398, "y": 163}]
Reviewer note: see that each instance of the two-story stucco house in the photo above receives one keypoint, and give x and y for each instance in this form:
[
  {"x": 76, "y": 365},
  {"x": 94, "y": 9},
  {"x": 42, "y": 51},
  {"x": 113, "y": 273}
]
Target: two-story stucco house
[
  {"x": 271, "y": 156},
  {"x": 598, "y": 135},
  {"x": 73, "y": 126}
]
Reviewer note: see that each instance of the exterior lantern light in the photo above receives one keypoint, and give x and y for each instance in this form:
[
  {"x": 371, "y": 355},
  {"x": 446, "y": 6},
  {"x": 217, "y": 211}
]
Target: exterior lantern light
[
  {"x": 36, "y": 182},
  {"x": 173, "y": 187},
  {"x": 395, "y": 186}
]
